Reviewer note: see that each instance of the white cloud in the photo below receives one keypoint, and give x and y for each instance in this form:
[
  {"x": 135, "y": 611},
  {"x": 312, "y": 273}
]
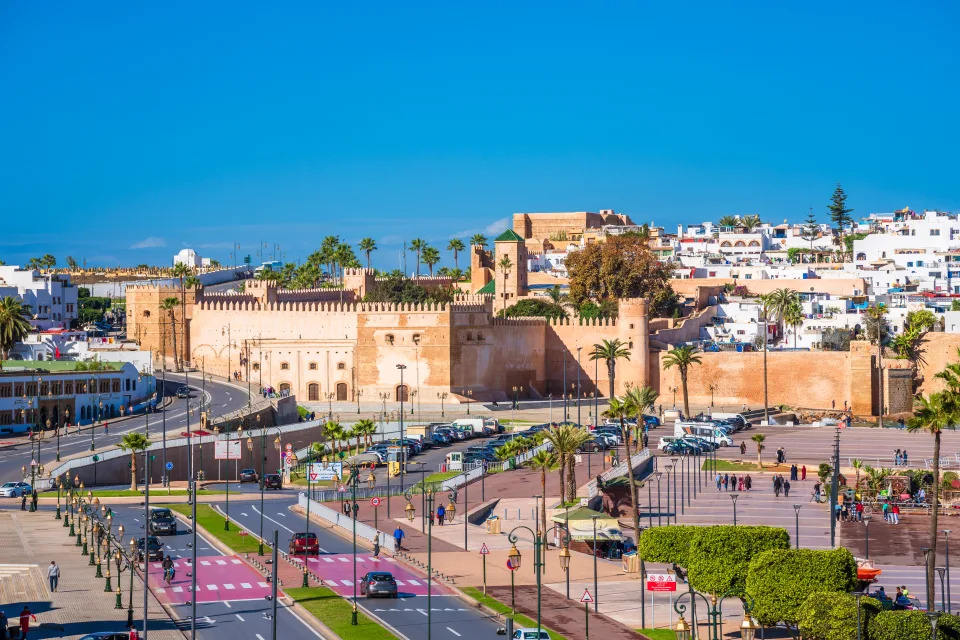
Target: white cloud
[
  {"x": 149, "y": 243},
  {"x": 494, "y": 228}
]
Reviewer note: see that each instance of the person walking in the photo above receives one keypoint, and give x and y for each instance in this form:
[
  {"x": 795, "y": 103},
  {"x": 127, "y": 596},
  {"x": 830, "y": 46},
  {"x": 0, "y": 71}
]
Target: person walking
[
  {"x": 816, "y": 492},
  {"x": 740, "y": 484},
  {"x": 777, "y": 485},
  {"x": 53, "y": 575},
  {"x": 441, "y": 512},
  {"x": 133, "y": 633},
  {"x": 895, "y": 514},
  {"x": 886, "y": 512},
  {"x": 25, "y": 617},
  {"x": 726, "y": 481},
  {"x": 398, "y": 536},
  {"x": 793, "y": 472},
  {"x": 786, "y": 489},
  {"x": 33, "y": 498},
  {"x": 719, "y": 481},
  {"x": 859, "y": 510},
  {"x": 803, "y": 472},
  {"x": 905, "y": 457},
  {"x": 743, "y": 448},
  {"x": 376, "y": 546},
  {"x": 23, "y": 502},
  {"x": 748, "y": 483}
]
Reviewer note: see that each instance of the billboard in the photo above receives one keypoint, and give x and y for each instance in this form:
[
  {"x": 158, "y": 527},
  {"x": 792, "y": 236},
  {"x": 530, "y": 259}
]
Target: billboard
[
  {"x": 325, "y": 471},
  {"x": 227, "y": 450}
]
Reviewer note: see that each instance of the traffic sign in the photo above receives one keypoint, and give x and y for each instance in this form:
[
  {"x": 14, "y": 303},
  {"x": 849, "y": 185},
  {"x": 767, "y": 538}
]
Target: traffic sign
[
  {"x": 289, "y": 447},
  {"x": 375, "y": 501},
  {"x": 169, "y": 466},
  {"x": 661, "y": 582},
  {"x": 96, "y": 458},
  {"x": 586, "y": 597},
  {"x": 483, "y": 550},
  {"x": 342, "y": 488},
  {"x": 242, "y": 533},
  {"x": 510, "y": 565},
  {"x": 313, "y": 476}
]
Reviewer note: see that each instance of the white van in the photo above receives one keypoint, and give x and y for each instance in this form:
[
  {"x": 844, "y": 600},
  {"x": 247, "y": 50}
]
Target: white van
[{"x": 702, "y": 430}]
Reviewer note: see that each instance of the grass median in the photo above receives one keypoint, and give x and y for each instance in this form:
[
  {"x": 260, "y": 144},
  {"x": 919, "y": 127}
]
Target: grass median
[
  {"x": 518, "y": 619},
  {"x": 127, "y": 493},
  {"x": 335, "y": 612},
  {"x": 728, "y": 465},
  {"x": 211, "y": 520},
  {"x": 659, "y": 634}
]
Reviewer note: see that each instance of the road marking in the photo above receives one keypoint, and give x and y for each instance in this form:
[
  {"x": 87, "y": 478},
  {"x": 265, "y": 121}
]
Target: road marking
[
  {"x": 229, "y": 606},
  {"x": 328, "y": 559},
  {"x": 274, "y": 521},
  {"x": 240, "y": 617},
  {"x": 205, "y": 563},
  {"x": 178, "y": 589},
  {"x": 401, "y": 583},
  {"x": 159, "y": 590},
  {"x": 332, "y": 583},
  {"x": 221, "y": 562},
  {"x": 342, "y": 559},
  {"x": 259, "y": 637},
  {"x": 279, "y": 513},
  {"x": 211, "y": 587},
  {"x": 263, "y": 585},
  {"x": 246, "y": 585},
  {"x": 244, "y": 515},
  {"x": 453, "y": 632},
  {"x": 235, "y": 561},
  {"x": 359, "y": 559},
  {"x": 322, "y": 550},
  {"x": 346, "y": 583},
  {"x": 413, "y": 582},
  {"x": 423, "y": 611},
  {"x": 228, "y": 586},
  {"x": 209, "y": 621}
]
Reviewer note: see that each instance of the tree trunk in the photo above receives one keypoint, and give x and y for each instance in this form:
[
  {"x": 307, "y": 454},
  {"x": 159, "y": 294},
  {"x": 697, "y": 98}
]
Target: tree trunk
[
  {"x": 183, "y": 321},
  {"x": 543, "y": 514},
  {"x": 133, "y": 471},
  {"x": 571, "y": 478},
  {"x": 562, "y": 470},
  {"x": 686, "y": 399},
  {"x": 934, "y": 517},
  {"x": 766, "y": 403},
  {"x": 760, "y": 455},
  {"x": 635, "y": 513},
  {"x": 612, "y": 369},
  {"x": 880, "y": 375},
  {"x": 173, "y": 329}
]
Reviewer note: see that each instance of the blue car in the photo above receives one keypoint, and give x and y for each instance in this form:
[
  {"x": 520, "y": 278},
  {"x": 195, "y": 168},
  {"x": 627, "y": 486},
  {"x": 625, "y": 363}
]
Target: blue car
[{"x": 651, "y": 421}]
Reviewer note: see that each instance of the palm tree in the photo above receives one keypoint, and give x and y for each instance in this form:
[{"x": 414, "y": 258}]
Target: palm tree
[
  {"x": 765, "y": 315},
  {"x": 619, "y": 409},
  {"x": 793, "y": 318},
  {"x": 566, "y": 440},
  {"x": 367, "y": 427},
  {"x": 610, "y": 351},
  {"x": 728, "y": 221},
  {"x": 14, "y": 323},
  {"x": 182, "y": 271},
  {"x": 877, "y": 332},
  {"x": 479, "y": 240},
  {"x": 134, "y": 442},
  {"x": 544, "y": 461},
  {"x": 170, "y": 305},
  {"x": 779, "y": 301},
  {"x": 418, "y": 245},
  {"x": 456, "y": 274},
  {"x": 368, "y": 246},
  {"x": 759, "y": 438},
  {"x": 934, "y": 414},
  {"x": 750, "y": 222},
  {"x": 682, "y": 358},
  {"x": 456, "y": 245},
  {"x": 431, "y": 256},
  {"x": 857, "y": 465},
  {"x": 639, "y": 398},
  {"x": 505, "y": 264},
  {"x": 332, "y": 432}
]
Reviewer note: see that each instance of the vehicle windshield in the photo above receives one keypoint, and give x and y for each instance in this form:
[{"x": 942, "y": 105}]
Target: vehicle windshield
[
  {"x": 161, "y": 515},
  {"x": 380, "y": 576},
  {"x": 9, "y": 484},
  {"x": 307, "y": 536}
]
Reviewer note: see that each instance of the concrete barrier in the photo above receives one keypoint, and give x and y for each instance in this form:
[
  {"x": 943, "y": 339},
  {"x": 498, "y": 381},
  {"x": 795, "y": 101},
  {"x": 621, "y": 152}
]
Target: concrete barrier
[{"x": 346, "y": 524}]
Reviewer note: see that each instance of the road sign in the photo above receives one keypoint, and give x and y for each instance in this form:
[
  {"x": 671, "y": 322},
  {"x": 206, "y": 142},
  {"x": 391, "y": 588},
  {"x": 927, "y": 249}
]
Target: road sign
[
  {"x": 375, "y": 502},
  {"x": 96, "y": 458},
  {"x": 242, "y": 533},
  {"x": 169, "y": 466},
  {"x": 289, "y": 447},
  {"x": 510, "y": 565},
  {"x": 586, "y": 597},
  {"x": 661, "y": 582},
  {"x": 483, "y": 550},
  {"x": 342, "y": 488}
]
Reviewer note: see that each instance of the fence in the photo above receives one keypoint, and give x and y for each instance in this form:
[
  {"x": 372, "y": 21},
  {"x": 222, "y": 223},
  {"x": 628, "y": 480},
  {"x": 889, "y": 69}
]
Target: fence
[
  {"x": 619, "y": 470},
  {"x": 347, "y": 524}
]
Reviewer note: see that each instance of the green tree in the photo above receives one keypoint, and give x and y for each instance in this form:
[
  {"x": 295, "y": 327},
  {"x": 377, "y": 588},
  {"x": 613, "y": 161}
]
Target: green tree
[
  {"x": 505, "y": 265},
  {"x": 134, "y": 442},
  {"x": 479, "y": 240},
  {"x": 456, "y": 245},
  {"x": 728, "y": 221},
  {"x": 811, "y": 228},
  {"x": 169, "y": 305},
  {"x": 368, "y": 246},
  {"x": 182, "y": 271},
  {"x": 833, "y": 616},
  {"x": 779, "y": 301},
  {"x": 610, "y": 351},
  {"x": 14, "y": 323},
  {"x": 878, "y": 332},
  {"x": 544, "y": 462},
  {"x": 682, "y": 358},
  {"x": 567, "y": 440},
  {"x": 620, "y": 409},
  {"x": 431, "y": 256},
  {"x": 417, "y": 246},
  {"x": 72, "y": 263},
  {"x": 793, "y": 318},
  {"x": 765, "y": 304},
  {"x": 749, "y": 223},
  {"x": 759, "y": 438},
  {"x": 532, "y": 307},
  {"x": 48, "y": 260},
  {"x": 839, "y": 213}
]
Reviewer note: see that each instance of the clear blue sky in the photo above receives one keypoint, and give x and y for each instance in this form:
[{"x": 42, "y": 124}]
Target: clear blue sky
[{"x": 163, "y": 125}]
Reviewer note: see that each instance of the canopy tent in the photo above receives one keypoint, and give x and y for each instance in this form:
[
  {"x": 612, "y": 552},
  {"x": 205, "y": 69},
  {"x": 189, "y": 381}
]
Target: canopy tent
[{"x": 581, "y": 525}]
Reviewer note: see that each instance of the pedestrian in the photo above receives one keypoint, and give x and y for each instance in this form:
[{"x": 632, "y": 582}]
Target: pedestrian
[
  {"x": 895, "y": 513},
  {"x": 3, "y": 624},
  {"x": 803, "y": 472},
  {"x": 886, "y": 512},
  {"x": 896, "y": 458},
  {"x": 726, "y": 481},
  {"x": 786, "y": 489},
  {"x": 838, "y": 511},
  {"x": 398, "y": 537},
  {"x": 833, "y": 404},
  {"x": 441, "y": 512},
  {"x": 168, "y": 569},
  {"x": 106, "y": 428},
  {"x": 816, "y": 492},
  {"x": 776, "y": 486},
  {"x": 743, "y": 448},
  {"x": 661, "y": 410},
  {"x": 740, "y": 484},
  {"x": 859, "y": 511},
  {"x": 719, "y": 481},
  {"x": 793, "y": 472},
  {"x": 23, "y": 502},
  {"x": 748, "y": 483},
  {"x": 133, "y": 633},
  {"x": 33, "y": 499},
  {"x": 25, "y": 616},
  {"x": 744, "y": 407},
  {"x": 904, "y": 457},
  {"x": 376, "y": 546},
  {"x": 53, "y": 575},
  {"x": 844, "y": 406}
]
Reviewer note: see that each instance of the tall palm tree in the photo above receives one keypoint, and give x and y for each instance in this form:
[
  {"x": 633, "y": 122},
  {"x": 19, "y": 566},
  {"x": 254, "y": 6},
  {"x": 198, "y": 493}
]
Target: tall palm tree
[
  {"x": 858, "y": 466},
  {"x": 765, "y": 315},
  {"x": 505, "y": 264},
  {"x": 368, "y": 246},
  {"x": 14, "y": 323},
  {"x": 728, "y": 221},
  {"x": 456, "y": 245},
  {"x": 418, "y": 245},
  {"x": 610, "y": 351},
  {"x": 170, "y": 305},
  {"x": 182, "y": 271},
  {"x": 620, "y": 409},
  {"x": 682, "y": 358},
  {"x": 332, "y": 431},
  {"x": 877, "y": 332},
  {"x": 934, "y": 414},
  {"x": 759, "y": 438},
  {"x": 134, "y": 442},
  {"x": 479, "y": 240},
  {"x": 779, "y": 301},
  {"x": 544, "y": 461},
  {"x": 431, "y": 256},
  {"x": 750, "y": 222},
  {"x": 456, "y": 274},
  {"x": 638, "y": 399},
  {"x": 566, "y": 440},
  {"x": 367, "y": 427},
  {"x": 793, "y": 318}
]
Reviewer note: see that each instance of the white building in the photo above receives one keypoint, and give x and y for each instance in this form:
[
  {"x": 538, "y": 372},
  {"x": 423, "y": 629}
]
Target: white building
[
  {"x": 77, "y": 346},
  {"x": 52, "y": 299},
  {"x": 188, "y": 257}
]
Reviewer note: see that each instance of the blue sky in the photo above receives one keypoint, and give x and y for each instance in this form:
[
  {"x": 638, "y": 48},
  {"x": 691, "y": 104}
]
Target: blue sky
[{"x": 129, "y": 130}]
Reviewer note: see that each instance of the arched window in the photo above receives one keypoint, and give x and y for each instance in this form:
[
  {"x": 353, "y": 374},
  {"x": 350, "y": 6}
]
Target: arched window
[
  {"x": 313, "y": 392},
  {"x": 284, "y": 387},
  {"x": 402, "y": 393},
  {"x": 861, "y": 256},
  {"x": 341, "y": 391},
  {"x": 256, "y": 366},
  {"x": 312, "y": 366},
  {"x": 725, "y": 243},
  {"x": 146, "y": 313},
  {"x": 739, "y": 243},
  {"x": 341, "y": 366},
  {"x": 754, "y": 243},
  {"x": 416, "y": 338},
  {"x": 284, "y": 366}
]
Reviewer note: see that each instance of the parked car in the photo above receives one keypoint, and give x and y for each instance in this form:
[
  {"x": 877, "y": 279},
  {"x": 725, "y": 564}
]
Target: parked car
[
  {"x": 14, "y": 489},
  {"x": 592, "y": 446},
  {"x": 304, "y": 543},
  {"x": 106, "y": 635},
  {"x": 378, "y": 583},
  {"x": 162, "y": 522},
  {"x": 272, "y": 481},
  {"x": 154, "y": 548},
  {"x": 183, "y": 392},
  {"x": 530, "y": 633},
  {"x": 651, "y": 422},
  {"x": 249, "y": 475}
]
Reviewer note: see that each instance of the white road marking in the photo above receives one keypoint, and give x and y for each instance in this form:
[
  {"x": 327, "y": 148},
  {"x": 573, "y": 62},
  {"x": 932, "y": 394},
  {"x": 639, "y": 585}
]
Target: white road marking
[
  {"x": 401, "y": 583},
  {"x": 211, "y": 587},
  {"x": 235, "y": 561},
  {"x": 263, "y": 585},
  {"x": 228, "y": 586},
  {"x": 204, "y": 563},
  {"x": 423, "y": 611},
  {"x": 246, "y": 585},
  {"x": 229, "y": 606},
  {"x": 244, "y": 515},
  {"x": 178, "y": 589},
  {"x": 413, "y": 582},
  {"x": 328, "y": 559},
  {"x": 259, "y": 637},
  {"x": 221, "y": 562},
  {"x": 274, "y": 521},
  {"x": 453, "y": 632},
  {"x": 346, "y": 583},
  {"x": 342, "y": 559},
  {"x": 240, "y": 617}
]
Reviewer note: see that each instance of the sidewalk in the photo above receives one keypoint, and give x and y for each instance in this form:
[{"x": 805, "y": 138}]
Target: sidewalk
[{"x": 80, "y": 606}]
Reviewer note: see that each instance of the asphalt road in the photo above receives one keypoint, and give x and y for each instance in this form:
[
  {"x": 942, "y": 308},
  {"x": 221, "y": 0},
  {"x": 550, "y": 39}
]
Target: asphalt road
[
  {"x": 451, "y": 618},
  {"x": 223, "y": 398}
]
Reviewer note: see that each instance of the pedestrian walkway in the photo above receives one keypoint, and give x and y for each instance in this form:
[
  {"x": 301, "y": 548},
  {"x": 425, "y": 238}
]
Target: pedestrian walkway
[
  {"x": 80, "y": 605},
  {"x": 219, "y": 579}
]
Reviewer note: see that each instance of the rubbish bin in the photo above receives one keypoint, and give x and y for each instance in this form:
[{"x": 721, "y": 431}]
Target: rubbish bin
[
  {"x": 493, "y": 525},
  {"x": 631, "y": 563}
]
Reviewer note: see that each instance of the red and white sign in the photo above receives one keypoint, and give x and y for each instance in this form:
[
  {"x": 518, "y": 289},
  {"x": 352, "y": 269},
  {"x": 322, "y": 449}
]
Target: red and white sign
[
  {"x": 661, "y": 582},
  {"x": 586, "y": 597},
  {"x": 375, "y": 502},
  {"x": 510, "y": 565},
  {"x": 483, "y": 550},
  {"x": 342, "y": 488},
  {"x": 242, "y": 533},
  {"x": 227, "y": 450},
  {"x": 289, "y": 447}
]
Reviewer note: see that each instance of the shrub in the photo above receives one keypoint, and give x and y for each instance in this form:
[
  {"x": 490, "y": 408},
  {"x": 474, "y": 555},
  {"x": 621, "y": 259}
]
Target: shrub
[
  {"x": 719, "y": 556},
  {"x": 668, "y": 544},
  {"x": 833, "y": 616},
  {"x": 898, "y": 625},
  {"x": 781, "y": 580}
]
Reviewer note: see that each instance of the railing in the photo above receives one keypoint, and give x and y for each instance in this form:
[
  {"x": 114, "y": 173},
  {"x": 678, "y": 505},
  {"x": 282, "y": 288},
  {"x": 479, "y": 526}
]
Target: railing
[
  {"x": 619, "y": 470},
  {"x": 347, "y": 524}
]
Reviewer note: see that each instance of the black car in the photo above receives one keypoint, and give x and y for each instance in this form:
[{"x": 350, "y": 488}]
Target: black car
[
  {"x": 378, "y": 583},
  {"x": 154, "y": 547},
  {"x": 162, "y": 522},
  {"x": 183, "y": 392},
  {"x": 272, "y": 481}
]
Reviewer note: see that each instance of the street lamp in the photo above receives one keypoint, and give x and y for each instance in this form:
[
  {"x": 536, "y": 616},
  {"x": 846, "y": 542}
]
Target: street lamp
[
  {"x": 796, "y": 510},
  {"x": 442, "y": 396},
  {"x": 946, "y": 540},
  {"x": 934, "y": 617},
  {"x": 866, "y": 535},
  {"x": 682, "y": 629},
  {"x": 733, "y": 498}
]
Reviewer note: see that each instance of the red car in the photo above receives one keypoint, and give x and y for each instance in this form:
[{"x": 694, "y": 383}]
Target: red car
[{"x": 303, "y": 544}]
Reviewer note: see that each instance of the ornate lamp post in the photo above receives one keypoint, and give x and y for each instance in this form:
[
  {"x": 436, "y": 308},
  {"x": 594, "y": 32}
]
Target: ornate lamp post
[
  {"x": 358, "y": 393},
  {"x": 442, "y": 396},
  {"x": 748, "y": 628},
  {"x": 733, "y": 498},
  {"x": 515, "y": 559}
]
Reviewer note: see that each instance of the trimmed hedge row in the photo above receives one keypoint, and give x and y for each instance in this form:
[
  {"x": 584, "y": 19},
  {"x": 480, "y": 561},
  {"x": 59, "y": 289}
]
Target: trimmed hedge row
[
  {"x": 720, "y": 556},
  {"x": 833, "y": 616},
  {"x": 897, "y": 625},
  {"x": 670, "y": 544}
]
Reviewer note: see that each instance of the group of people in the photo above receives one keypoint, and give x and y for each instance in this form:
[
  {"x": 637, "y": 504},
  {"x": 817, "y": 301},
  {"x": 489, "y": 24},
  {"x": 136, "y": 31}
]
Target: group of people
[
  {"x": 891, "y": 512},
  {"x": 781, "y": 455},
  {"x": 900, "y": 601},
  {"x": 900, "y": 458},
  {"x": 33, "y": 498},
  {"x": 781, "y": 484},
  {"x": 849, "y": 512},
  {"x": 798, "y": 474},
  {"x": 728, "y": 482}
]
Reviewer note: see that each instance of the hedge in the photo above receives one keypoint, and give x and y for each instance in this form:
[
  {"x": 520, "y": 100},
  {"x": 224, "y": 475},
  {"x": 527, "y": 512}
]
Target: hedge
[
  {"x": 668, "y": 544},
  {"x": 897, "y": 625},
  {"x": 833, "y": 616},
  {"x": 720, "y": 556},
  {"x": 780, "y": 580}
]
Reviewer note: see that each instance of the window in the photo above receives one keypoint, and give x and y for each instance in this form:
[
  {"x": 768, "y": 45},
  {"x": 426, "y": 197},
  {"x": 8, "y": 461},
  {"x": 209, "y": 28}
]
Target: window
[
  {"x": 116, "y": 385},
  {"x": 256, "y": 366},
  {"x": 6, "y": 390},
  {"x": 127, "y": 384},
  {"x": 341, "y": 366},
  {"x": 68, "y": 388},
  {"x": 389, "y": 338},
  {"x": 312, "y": 366},
  {"x": 146, "y": 312},
  {"x": 44, "y": 388},
  {"x": 416, "y": 338},
  {"x": 105, "y": 386},
  {"x": 402, "y": 393},
  {"x": 284, "y": 387},
  {"x": 284, "y": 366},
  {"x": 18, "y": 389},
  {"x": 934, "y": 232}
]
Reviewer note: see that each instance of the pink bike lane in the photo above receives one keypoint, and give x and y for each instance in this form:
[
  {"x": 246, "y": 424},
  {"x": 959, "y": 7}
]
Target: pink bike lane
[{"x": 219, "y": 578}]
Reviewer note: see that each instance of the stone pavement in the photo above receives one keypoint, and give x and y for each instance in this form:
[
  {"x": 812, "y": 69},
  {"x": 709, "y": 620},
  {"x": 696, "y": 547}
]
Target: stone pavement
[{"x": 80, "y": 605}]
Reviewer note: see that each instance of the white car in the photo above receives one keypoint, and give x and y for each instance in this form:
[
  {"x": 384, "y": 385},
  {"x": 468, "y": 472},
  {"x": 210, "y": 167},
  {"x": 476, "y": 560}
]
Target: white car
[
  {"x": 530, "y": 633},
  {"x": 14, "y": 489}
]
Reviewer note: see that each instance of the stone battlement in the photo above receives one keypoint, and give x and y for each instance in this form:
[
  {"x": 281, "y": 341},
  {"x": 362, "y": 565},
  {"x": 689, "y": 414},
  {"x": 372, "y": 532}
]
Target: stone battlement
[{"x": 324, "y": 306}]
